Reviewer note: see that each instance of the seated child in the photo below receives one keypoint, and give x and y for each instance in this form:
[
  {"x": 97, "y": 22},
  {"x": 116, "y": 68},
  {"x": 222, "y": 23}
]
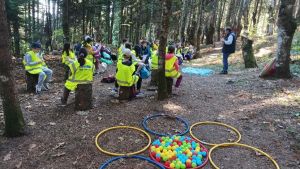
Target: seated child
[
  {"x": 172, "y": 67},
  {"x": 81, "y": 73}
]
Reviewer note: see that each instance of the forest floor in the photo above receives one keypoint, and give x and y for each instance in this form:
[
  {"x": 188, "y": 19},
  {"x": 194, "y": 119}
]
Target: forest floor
[{"x": 266, "y": 112}]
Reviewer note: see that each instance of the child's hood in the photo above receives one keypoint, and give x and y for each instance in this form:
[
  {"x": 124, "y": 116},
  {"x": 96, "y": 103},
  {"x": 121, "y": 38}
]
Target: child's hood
[{"x": 169, "y": 56}]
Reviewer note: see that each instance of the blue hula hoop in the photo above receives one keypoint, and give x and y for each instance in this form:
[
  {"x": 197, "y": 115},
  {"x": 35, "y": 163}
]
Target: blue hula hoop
[
  {"x": 103, "y": 166},
  {"x": 145, "y": 125}
]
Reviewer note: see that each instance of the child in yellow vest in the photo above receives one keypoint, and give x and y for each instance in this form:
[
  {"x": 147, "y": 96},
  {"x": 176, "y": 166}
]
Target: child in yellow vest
[
  {"x": 172, "y": 67},
  {"x": 126, "y": 75},
  {"x": 81, "y": 73},
  {"x": 67, "y": 57}
]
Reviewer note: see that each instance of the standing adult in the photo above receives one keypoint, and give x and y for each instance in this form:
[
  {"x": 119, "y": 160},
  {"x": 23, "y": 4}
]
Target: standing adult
[{"x": 229, "y": 42}]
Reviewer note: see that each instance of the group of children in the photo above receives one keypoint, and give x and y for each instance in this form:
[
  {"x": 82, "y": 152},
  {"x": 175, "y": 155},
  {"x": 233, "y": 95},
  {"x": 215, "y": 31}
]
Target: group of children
[{"x": 80, "y": 67}]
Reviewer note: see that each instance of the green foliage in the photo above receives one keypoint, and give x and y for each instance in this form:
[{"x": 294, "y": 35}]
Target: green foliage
[{"x": 296, "y": 44}]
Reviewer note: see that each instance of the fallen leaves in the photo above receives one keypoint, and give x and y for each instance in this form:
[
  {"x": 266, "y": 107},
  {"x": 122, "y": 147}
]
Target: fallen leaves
[
  {"x": 32, "y": 146},
  {"x": 59, "y": 145},
  {"x": 31, "y": 123},
  {"x": 58, "y": 154},
  {"x": 7, "y": 157},
  {"x": 19, "y": 164}
]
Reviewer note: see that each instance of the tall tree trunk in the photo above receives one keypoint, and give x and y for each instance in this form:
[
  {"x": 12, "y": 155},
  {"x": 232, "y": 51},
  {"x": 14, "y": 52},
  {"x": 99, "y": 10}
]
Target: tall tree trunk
[
  {"x": 107, "y": 20},
  {"x": 211, "y": 23},
  {"x": 259, "y": 12},
  {"x": 183, "y": 20},
  {"x": 16, "y": 34},
  {"x": 286, "y": 29},
  {"x": 116, "y": 22},
  {"x": 112, "y": 20},
  {"x": 271, "y": 18},
  {"x": 220, "y": 17},
  {"x": 230, "y": 14},
  {"x": 237, "y": 24},
  {"x": 33, "y": 17},
  {"x": 14, "y": 121},
  {"x": 198, "y": 24},
  {"x": 254, "y": 19},
  {"x": 246, "y": 6},
  {"x": 65, "y": 23},
  {"x": 166, "y": 14}
]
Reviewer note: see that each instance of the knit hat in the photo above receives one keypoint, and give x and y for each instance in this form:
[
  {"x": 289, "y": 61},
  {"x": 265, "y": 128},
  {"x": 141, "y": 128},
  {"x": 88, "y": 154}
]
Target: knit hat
[
  {"x": 127, "y": 52},
  {"x": 88, "y": 38},
  {"x": 36, "y": 45}
]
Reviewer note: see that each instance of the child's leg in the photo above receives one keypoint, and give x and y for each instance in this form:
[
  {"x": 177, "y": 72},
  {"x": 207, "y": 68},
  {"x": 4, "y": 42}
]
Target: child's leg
[
  {"x": 139, "y": 84},
  {"x": 65, "y": 96},
  {"x": 178, "y": 81}
]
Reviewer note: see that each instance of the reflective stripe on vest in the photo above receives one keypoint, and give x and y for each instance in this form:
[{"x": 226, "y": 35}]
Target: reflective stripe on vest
[
  {"x": 33, "y": 68},
  {"x": 154, "y": 64},
  {"x": 124, "y": 75}
]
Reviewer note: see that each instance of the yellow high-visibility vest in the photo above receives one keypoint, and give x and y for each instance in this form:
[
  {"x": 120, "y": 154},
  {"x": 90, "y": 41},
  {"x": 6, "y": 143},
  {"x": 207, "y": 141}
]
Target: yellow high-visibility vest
[
  {"x": 36, "y": 68},
  {"x": 68, "y": 59},
  {"x": 120, "y": 53},
  {"x": 170, "y": 70},
  {"x": 80, "y": 74},
  {"x": 154, "y": 63},
  {"x": 125, "y": 75}
]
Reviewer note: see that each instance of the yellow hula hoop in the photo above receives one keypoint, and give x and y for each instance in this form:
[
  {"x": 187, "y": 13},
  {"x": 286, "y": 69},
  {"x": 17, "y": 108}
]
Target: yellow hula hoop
[
  {"x": 214, "y": 123},
  {"x": 241, "y": 145},
  {"x": 122, "y": 154}
]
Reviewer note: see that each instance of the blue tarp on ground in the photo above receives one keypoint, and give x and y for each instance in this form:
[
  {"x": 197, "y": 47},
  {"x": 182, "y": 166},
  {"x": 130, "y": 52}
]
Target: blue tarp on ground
[{"x": 197, "y": 71}]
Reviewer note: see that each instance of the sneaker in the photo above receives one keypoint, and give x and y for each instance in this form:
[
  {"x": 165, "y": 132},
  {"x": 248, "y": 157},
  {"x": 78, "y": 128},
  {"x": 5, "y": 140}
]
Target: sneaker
[
  {"x": 140, "y": 94},
  {"x": 114, "y": 90},
  {"x": 44, "y": 88},
  {"x": 38, "y": 89},
  {"x": 223, "y": 72}
]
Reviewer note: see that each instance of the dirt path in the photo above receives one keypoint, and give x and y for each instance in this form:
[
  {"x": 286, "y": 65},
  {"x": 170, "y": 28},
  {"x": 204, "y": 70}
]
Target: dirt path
[{"x": 265, "y": 111}]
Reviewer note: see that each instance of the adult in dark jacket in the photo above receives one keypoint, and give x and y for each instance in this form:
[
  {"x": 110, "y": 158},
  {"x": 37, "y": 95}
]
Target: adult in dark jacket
[{"x": 229, "y": 42}]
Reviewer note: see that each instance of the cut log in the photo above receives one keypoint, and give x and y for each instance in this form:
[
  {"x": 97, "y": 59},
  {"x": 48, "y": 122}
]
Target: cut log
[
  {"x": 31, "y": 81},
  {"x": 248, "y": 55},
  {"x": 84, "y": 97},
  {"x": 126, "y": 93}
]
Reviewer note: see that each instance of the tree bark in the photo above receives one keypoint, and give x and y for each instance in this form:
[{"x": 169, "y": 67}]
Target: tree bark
[
  {"x": 16, "y": 34},
  {"x": 247, "y": 51},
  {"x": 33, "y": 16},
  {"x": 65, "y": 23},
  {"x": 183, "y": 20},
  {"x": 14, "y": 121},
  {"x": 211, "y": 24},
  {"x": 246, "y": 16},
  {"x": 286, "y": 29},
  {"x": 166, "y": 14},
  {"x": 271, "y": 18},
  {"x": 220, "y": 17},
  {"x": 254, "y": 19},
  {"x": 230, "y": 13}
]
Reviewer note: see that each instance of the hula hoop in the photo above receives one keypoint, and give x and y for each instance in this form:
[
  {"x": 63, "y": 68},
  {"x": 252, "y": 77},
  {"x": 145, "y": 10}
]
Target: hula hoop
[
  {"x": 103, "y": 166},
  {"x": 241, "y": 145},
  {"x": 122, "y": 154},
  {"x": 145, "y": 125},
  {"x": 214, "y": 123}
]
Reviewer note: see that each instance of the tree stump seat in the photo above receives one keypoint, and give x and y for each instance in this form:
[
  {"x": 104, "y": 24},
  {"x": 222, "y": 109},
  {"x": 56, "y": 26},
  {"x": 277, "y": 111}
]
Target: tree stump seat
[
  {"x": 126, "y": 93},
  {"x": 31, "y": 81},
  {"x": 84, "y": 97}
]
